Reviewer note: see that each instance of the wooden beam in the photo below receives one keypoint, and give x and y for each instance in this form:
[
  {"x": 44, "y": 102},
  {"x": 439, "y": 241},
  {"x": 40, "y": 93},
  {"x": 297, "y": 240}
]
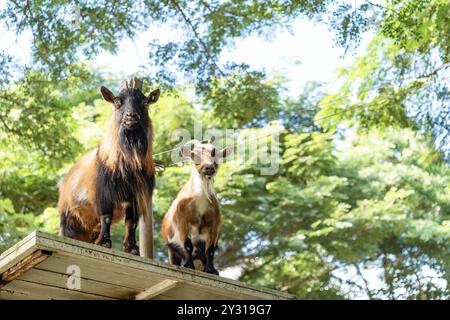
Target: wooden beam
[
  {"x": 150, "y": 268},
  {"x": 44, "y": 292},
  {"x": 157, "y": 289},
  {"x": 19, "y": 251},
  {"x": 29, "y": 262},
  {"x": 123, "y": 269}
]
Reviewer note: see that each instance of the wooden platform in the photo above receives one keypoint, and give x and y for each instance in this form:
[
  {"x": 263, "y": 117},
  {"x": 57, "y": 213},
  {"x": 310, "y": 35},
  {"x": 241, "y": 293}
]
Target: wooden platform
[{"x": 40, "y": 267}]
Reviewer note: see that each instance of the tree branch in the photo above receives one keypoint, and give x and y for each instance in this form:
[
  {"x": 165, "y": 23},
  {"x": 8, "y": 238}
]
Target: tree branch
[
  {"x": 3, "y": 117},
  {"x": 7, "y": 127},
  {"x": 198, "y": 37},
  {"x": 366, "y": 284},
  {"x": 262, "y": 265},
  {"x": 223, "y": 9},
  {"x": 434, "y": 71},
  {"x": 387, "y": 277},
  {"x": 24, "y": 10},
  {"x": 375, "y": 4}
]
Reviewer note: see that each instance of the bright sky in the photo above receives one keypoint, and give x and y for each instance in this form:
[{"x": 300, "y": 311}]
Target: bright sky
[{"x": 306, "y": 54}]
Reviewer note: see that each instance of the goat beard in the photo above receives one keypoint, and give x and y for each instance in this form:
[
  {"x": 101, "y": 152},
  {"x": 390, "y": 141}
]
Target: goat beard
[{"x": 133, "y": 144}]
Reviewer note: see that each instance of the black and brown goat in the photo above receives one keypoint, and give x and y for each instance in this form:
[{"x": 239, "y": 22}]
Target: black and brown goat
[
  {"x": 192, "y": 225},
  {"x": 117, "y": 178}
]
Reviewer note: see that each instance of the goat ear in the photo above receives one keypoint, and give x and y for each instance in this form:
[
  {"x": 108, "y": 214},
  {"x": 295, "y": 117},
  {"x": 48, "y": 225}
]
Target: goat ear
[
  {"x": 186, "y": 152},
  {"x": 154, "y": 96},
  {"x": 107, "y": 94},
  {"x": 225, "y": 152}
]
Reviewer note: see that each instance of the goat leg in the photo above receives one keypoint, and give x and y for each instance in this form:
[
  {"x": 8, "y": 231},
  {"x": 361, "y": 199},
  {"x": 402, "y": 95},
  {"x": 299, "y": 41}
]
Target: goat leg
[
  {"x": 209, "y": 267},
  {"x": 129, "y": 241},
  {"x": 199, "y": 252},
  {"x": 104, "y": 239},
  {"x": 189, "y": 248}
]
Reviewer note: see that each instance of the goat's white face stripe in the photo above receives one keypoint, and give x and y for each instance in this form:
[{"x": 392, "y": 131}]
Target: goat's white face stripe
[{"x": 203, "y": 189}]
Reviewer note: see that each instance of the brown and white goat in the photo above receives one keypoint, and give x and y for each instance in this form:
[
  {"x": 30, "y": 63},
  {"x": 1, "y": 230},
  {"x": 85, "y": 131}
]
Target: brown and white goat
[
  {"x": 192, "y": 225},
  {"x": 117, "y": 178}
]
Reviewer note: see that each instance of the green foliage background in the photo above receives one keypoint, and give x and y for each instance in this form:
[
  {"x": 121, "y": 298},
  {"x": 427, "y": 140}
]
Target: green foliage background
[{"x": 360, "y": 206}]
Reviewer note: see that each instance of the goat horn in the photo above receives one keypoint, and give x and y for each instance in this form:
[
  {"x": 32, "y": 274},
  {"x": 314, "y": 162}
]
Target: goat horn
[
  {"x": 123, "y": 85},
  {"x": 136, "y": 83}
]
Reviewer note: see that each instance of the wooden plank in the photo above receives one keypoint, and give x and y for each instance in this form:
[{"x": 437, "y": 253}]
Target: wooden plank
[
  {"x": 120, "y": 275},
  {"x": 107, "y": 273},
  {"x": 117, "y": 275},
  {"x": 191, "y": 291},
  {"x": 90, "y": 286},
  {"x": 25, "y": 264},
  {"x": 157, "y": 289},
  {"x": 194, "y": 291},
  {"x": 48, "y": 292},
  {"x": 13, "y": 295},
  {"x": 86, "y": 250},
  {"x": 93, "y": 269},
  {"x": 59, "y": 262},
  {"x": 18, "y": 252},
  {"x": 164, "y": 297}
]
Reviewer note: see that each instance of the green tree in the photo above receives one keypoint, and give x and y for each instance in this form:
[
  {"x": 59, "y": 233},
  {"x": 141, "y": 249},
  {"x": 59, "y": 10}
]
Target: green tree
[
  {"x": 361, "y": 189},
  {"x": 377, "y": 201},
  {"x": 402, "y": 79},
  {"x": 65, "y": 32}
]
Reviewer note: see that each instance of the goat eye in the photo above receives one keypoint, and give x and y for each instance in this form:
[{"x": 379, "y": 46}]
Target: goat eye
[{"x": 213, "y": 153}]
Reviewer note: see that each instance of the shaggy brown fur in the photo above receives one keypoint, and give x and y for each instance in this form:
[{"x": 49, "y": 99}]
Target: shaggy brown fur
[
  {"x": 191, "y": 227},
  {"x": 114, "y": 180}
]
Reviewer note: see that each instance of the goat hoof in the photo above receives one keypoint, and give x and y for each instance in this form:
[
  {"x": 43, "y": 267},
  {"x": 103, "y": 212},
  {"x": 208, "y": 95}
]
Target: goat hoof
[
  {"x": 211, "y": 270},
  {"x": 104, "y": 243},
  {"x": 189, "y": 265},
  {"x": 133, "y": 249}
]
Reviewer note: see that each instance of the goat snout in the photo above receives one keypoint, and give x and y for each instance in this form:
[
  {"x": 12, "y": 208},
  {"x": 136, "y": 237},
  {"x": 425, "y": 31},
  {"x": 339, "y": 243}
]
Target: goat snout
[
  {"x": 131, "y": 119},
  {"x": 131, "y": 116},
  {"x": 209, "y": 170}
]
